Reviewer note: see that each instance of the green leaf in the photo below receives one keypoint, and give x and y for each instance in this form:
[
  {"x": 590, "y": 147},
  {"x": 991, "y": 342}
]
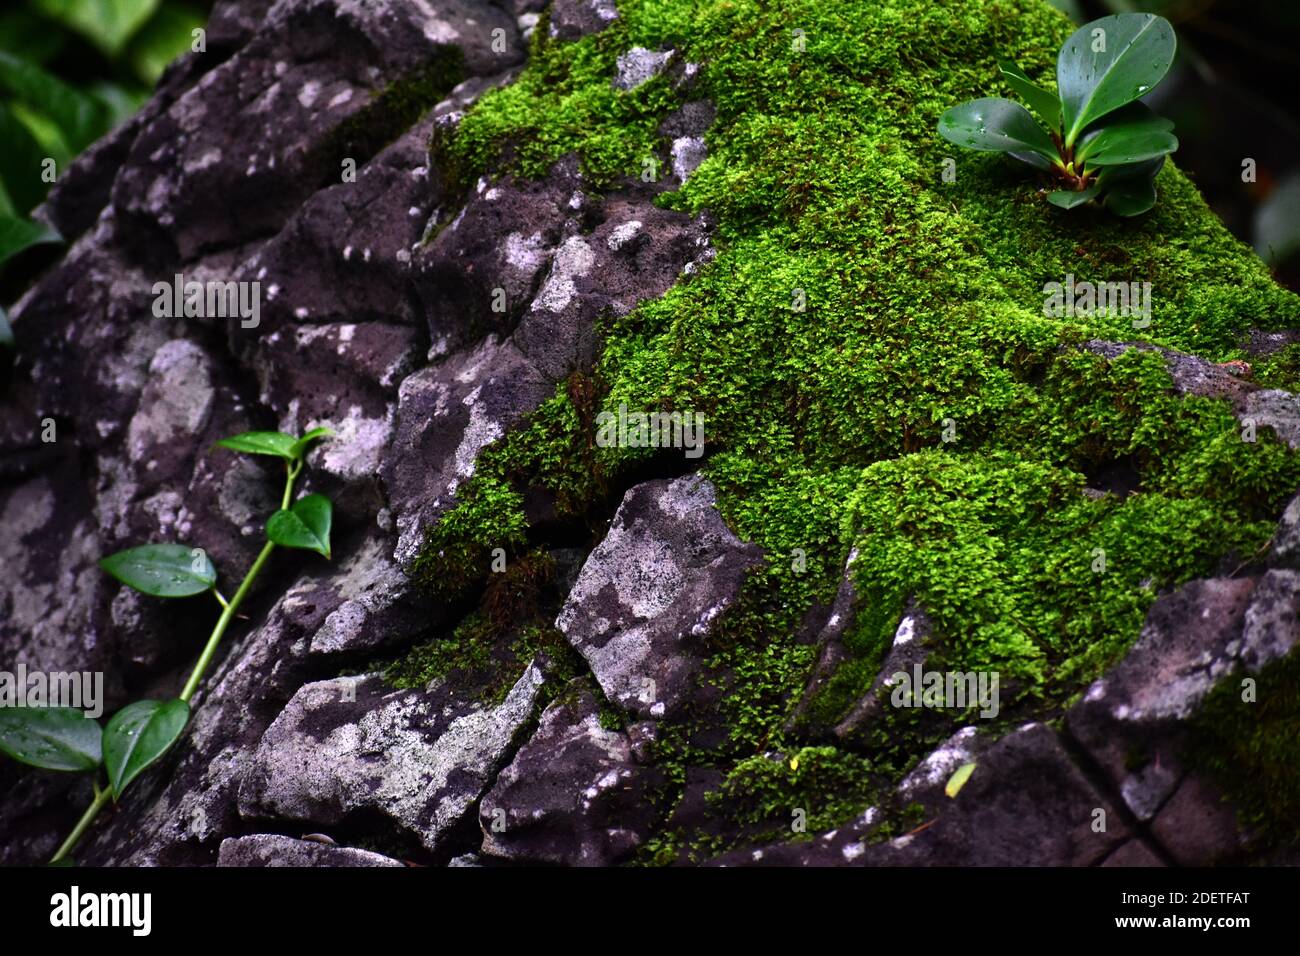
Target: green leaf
[
  {"x": 108, "y": 24},
  {"x": 137, "y": 735},
  {"x": 19, "y": 234},
  {"x": 1132, "y": 134},
  {"x": 995, "y": 125},
  {"x": 300, "y": 446},
  {"x": 1043, "y": 103},
  {"x": 29, "y": 36},
  {"x": 277, "y": 444},
  {"x": 81, "y": 118},
  {"x": 52, "y": 738},
  {"x": 1136, "y": 52},
  {"x": 1132, "y": 197},
  {"x": 6, "y": 332},
  {"x": 1069, "y": 198},
  {"x": 163, "y": 39},
  {"x": 958, "y": 779},
  {"x": 20, "y": 163},
  {"x": 163, "y": 570},
  {"x": 120, "y": 102},
  {"x": 1277, "y": 222},
  {"x": 306, "y": 525},
  {"x": 1114, "y": 147}
]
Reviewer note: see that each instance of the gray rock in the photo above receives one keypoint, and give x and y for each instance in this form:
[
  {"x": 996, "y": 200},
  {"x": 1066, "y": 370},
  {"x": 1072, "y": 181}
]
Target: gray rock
[
  {"x": 1275, "y": 409},
  {"x": 1264, "y": 408},
  {"x": 271, "y": 849},
  {"x": 421, "y": 758},
  {"x": 1197, "y": 827},
  {"x": 651, "y": 589},
  {"x": 1133, "y": 853},
  {"x": 910, "y": 648},
  {"x": 639, "y": 65},
  {"x": 1285, "y": 549},
  {"x": 573, "y": 795},
  {"x": 1191, "y": 375},
  {"x": 571, "y": 19},
  {"x": 1133, "y": 720}
]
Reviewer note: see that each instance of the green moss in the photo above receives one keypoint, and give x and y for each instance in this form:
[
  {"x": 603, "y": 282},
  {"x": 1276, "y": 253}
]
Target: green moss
[
  {"x": 1281, "y": 369},
  {"x": 921, "y": 406},
  {"x": 458, "y": 550},
  {"x": 815, "y": 788},
  {"x": 1252, "y": 749}
]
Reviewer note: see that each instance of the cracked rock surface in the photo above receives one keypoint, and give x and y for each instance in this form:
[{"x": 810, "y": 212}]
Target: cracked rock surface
[{"x": 573, "y": 705}]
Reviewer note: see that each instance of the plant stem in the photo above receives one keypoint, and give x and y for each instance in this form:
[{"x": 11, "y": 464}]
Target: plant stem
[
  {"x": 227, "y": 613},
  {"x": 92, "y": 811},
  {"x": 228, "y": 609}
]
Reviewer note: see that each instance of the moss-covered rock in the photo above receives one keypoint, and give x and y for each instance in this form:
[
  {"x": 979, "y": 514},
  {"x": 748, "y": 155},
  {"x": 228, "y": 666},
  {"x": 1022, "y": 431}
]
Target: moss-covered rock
[{"x": 872, "y": 354}]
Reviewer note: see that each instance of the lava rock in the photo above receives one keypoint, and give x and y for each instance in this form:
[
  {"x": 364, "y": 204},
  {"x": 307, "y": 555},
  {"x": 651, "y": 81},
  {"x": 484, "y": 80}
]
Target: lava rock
[
  {"x": 421, "y": 758},
  {"x": 573, "y": 795},
  {"x": 271, "y": 849},
  {"x": 665, "y": 571}
]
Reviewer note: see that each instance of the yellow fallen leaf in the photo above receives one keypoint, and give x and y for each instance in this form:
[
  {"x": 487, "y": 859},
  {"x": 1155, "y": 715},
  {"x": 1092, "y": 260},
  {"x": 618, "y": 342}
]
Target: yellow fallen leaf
[{"x": 958, "y": 779}]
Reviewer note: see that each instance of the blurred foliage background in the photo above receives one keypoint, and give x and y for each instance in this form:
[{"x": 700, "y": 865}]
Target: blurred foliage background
[
  {"x": 70, "y": 70},
  {"x": 1232, "y": 95}
]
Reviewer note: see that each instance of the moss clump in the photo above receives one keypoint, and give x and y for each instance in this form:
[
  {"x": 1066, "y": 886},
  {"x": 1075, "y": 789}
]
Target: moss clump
[
  {"x": 509, "y": 627},
  {"x": 1252, "y": 749},
  {"x": 458, "y": 550},
  {"x": 812, "y": 789},
  {"x": 871, "y": 353}
]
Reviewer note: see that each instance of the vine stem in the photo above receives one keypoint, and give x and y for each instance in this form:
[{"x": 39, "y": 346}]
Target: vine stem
[{"x": 228, "y": 609}]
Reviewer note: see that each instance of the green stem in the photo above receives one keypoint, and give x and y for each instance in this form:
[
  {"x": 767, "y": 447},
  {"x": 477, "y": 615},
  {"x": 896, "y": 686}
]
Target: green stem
[
  {"x": 92, "y": 811},
  {"x": 227, "y": 614},
  {"x": 228, "y": 610}
]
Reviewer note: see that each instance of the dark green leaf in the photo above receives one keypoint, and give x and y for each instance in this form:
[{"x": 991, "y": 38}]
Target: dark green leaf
[
  {"x": 162, "y": 40},
  {"x": 19, "y": 234},
  {"x": 120, "y": 102},
  {"x": 996, "y": 125},
  {"x": 1131, "y": 197},
  {"x": 1114, "y": 147},
  {"x": 1131, "y": 134},
  {"x": 29, "y": 36},
  {"x": 1043, "y": 103},
  {"x": 81, "y": 118},
  {"x": 300, "y": 446},
  {"x": 1130, "y": 190},
  {"x": 139, "y": 734},
  {"x": 277, "y": 444},
  {"x": 306, "y": 525},
  {"x": 108, "y": 24},
  {"x": 1068, "y": 199},
  {"x": 1277, "y": 222},
  {"x": 1138, "y": 50},
  {"x": 52, "y": 738},
  {"x": 163, "y": 570},
  {"x": 21, "y": 157}
]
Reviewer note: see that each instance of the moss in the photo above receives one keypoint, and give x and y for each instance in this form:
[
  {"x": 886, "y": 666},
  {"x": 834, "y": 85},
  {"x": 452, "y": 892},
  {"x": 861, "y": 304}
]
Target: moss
[
  {"x": 1252, "y": 749},
  {"x": 1281, "y": 369},
  {"x": 921, "y": 405},
  {"x": 815, "y": 788},
  {"x": 488, "y": 650},
  {"x": 458, "y": 551}
]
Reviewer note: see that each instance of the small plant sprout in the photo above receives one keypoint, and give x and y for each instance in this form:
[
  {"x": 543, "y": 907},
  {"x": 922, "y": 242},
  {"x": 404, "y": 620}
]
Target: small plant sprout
[
  {"x": 1094, "y": 138},
  {"x": 138, "y": 735}
]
